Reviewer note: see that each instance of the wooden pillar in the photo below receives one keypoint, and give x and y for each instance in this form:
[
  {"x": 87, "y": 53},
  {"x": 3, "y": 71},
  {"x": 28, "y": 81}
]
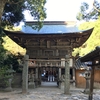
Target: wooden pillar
[
  {"x": 25, "y": 75},
  {"x": 39, "y": 73},
  {"x": 91, "y": 83},
  {"x": 73, "y": 76},
  {"x": 36, "y": 72},
  {"x": 73, "y": 68},
  {"x": 67, "y": 75},
  {"x": 36, "y": 77}
]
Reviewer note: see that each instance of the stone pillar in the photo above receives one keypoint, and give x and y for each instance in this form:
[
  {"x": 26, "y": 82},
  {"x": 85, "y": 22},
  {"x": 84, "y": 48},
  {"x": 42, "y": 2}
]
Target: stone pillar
[
  {"x": 87, "y": 77},
  {"x": 60, "y": 78},
  {"x": 31, "y": 80},
  {"x": 67, "y": 75},
  {"x": 25, "y": 75},
  {"x": 91, "y": 83}
]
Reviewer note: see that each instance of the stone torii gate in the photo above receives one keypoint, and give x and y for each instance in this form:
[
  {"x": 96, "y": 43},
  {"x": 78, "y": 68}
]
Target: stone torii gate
[
  {"x": 67, "y": 75},
  {"x": 53, "y": 42}
]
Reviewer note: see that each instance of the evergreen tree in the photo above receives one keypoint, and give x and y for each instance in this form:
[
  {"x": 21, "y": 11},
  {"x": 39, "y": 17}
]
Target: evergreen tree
[
  {"x": 11, "y": 11},
  {"x": 86, "y": 14},
  {"x": 94, "y": 39}
]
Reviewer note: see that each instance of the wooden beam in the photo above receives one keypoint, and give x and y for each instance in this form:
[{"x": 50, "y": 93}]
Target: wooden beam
[{"x": 40, "y": 60}]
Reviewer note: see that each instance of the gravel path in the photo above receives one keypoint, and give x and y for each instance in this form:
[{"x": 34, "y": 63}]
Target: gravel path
[{"x": 47, "y": 92}]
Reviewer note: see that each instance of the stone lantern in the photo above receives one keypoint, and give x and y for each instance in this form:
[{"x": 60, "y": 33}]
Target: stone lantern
[
  {"x": 10, "y": 73},
  {"x": 87, "y": 76}
]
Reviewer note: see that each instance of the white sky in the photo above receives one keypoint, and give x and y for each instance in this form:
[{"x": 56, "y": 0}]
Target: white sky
[{"x": 61, "y": 10}]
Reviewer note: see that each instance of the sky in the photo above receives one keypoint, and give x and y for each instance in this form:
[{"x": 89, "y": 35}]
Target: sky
[{"x": 61, "y": 10}]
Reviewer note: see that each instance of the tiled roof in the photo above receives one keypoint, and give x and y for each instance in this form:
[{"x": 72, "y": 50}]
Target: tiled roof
[
  {"x": 82, "y": 65},
  {"x": 52, "y": 27},
  {"x": 79, "y": 64}
]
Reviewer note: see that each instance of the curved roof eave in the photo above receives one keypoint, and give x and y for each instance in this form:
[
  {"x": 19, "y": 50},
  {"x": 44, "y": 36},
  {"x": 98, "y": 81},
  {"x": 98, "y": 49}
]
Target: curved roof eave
[
  {"x": 91, "y": 55},
  {"x": 82, "y": 32},
  {"x": 20, "y": 37}
]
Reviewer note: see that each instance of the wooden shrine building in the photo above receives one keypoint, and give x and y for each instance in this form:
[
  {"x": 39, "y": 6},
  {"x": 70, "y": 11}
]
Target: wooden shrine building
[
  {"x": 94, "y": 58},
  {"x": 48, "y": 47}
]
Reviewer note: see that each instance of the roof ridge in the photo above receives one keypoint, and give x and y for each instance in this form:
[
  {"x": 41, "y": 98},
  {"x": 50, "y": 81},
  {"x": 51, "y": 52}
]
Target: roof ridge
[{"x": 53, "y": 22}]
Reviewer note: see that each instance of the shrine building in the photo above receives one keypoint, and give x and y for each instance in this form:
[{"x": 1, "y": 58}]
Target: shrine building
[{"x": 48, "y": 47}]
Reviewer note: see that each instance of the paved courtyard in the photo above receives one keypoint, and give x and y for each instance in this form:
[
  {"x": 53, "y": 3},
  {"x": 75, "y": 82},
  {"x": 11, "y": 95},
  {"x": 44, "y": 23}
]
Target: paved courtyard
[{"x": 48, "y": 91}]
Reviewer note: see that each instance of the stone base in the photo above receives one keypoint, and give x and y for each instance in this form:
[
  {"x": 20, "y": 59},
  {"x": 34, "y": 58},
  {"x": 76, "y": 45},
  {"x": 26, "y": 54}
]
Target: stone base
[
  {"x": 86, "y": 91},
  {"x": 8, "y": 89},
  {"x": 31, "y": 85}
]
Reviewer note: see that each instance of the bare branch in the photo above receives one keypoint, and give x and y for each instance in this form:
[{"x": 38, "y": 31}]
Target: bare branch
[{"x": 95, "y": 7}]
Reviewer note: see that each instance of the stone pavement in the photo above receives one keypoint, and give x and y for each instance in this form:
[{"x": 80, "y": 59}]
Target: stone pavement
[{"x": 48, "y": 91}]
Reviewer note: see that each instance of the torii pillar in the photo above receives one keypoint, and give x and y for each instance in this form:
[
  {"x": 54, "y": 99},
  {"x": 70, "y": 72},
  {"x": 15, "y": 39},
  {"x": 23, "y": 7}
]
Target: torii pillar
[
  {"x": 25, "y": 75},
  {"x": 67, "y": 75}
]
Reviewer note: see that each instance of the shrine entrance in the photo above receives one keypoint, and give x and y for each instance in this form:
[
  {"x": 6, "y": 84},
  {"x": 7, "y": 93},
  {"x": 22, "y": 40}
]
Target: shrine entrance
[
  {"x": 49, "y": 74},
  {"x": 55, "y": 42}
]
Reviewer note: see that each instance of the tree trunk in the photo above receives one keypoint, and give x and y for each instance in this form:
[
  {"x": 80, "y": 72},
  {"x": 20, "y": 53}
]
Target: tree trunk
[{"x": 2, "y": 5}]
